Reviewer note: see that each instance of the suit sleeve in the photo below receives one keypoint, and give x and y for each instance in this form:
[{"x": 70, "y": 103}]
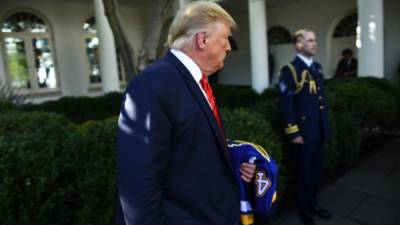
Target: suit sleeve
[
  {"x": 287, "y": 90},
  {"x": 144, "y": 146}
]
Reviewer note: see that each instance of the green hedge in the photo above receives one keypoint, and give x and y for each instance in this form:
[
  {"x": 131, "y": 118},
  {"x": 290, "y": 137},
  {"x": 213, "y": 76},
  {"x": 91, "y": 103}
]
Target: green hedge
[
  {"x": 356, "y": 105},
  {"x": 384, "y": 85},
  {"x": 37, "y": 170},
  {"x": 6, "y": 106},
  {"x": 97, "y": 168},
  {"x": 58, "y": 173},
  {"x": 81, "y": 109},
  {"x": 53, "y": 172},
  {"x": 230, "y": 96},
  {"x": 268, "y": 107},
  {"x": 365, "y": 101}
]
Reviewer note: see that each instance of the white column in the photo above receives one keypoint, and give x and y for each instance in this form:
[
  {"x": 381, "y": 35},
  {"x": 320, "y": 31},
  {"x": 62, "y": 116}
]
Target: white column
[
  {"x": 258, "y": 45},
  {"x": 107, "y": 52},
  {"x": 182, "y": 2},
  {"x": 3, "y": 72},
  {"x": 370, "y": 38}
]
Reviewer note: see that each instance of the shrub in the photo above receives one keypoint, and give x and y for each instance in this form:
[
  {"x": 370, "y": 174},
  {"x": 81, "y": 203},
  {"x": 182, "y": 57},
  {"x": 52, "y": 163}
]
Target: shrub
[
  {"x": 355, "y": 104},
  {"x": 56, "y": 173},
  {"x": 36, "y": 169},
  {"x": 384, "y": 85},
  {"x": 6, "y": 106},
  {"x": 81, "y": 109},
  {"x": 364, "y": 101},
  {"x": 268, "y": 107},
  {"x": 389, "y": 88},
  {"x": 344, "y": 145},
  {"x": 97, "y": 166},
  {"x": 235, "y": 96}
]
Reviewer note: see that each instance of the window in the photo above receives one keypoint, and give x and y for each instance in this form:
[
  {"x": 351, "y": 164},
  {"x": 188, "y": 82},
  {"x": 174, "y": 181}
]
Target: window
[
  {"x": 28, "y": 51},
  {"x": 347, "y": 27},
  {"x": 278, "y": 35},
  {"x": 92, "y": 52}
]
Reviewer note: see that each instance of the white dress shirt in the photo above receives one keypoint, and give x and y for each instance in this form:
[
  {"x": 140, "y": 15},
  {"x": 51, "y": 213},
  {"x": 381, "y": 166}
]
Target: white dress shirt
[
  {"x": 193, "y": 68},
  {"x": 307, "y": 61}
]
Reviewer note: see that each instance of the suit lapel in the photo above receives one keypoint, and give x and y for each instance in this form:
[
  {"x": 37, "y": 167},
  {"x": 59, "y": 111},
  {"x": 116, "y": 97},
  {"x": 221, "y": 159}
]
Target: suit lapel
[{"x": 205, "y": 107}]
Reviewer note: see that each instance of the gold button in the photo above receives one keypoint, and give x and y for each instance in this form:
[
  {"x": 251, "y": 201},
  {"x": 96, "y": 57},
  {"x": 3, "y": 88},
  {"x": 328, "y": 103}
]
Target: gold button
[
  {"x": 303, "y": 117},
  {"x": 321, "y": 107},
  {"x": 320, "y": 97},
  {"x": 319, "y": 88}
]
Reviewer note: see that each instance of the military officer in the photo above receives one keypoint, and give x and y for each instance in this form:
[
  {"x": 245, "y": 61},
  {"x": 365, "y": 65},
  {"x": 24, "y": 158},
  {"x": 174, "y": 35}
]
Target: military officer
[{"x": 303, "y": 106}]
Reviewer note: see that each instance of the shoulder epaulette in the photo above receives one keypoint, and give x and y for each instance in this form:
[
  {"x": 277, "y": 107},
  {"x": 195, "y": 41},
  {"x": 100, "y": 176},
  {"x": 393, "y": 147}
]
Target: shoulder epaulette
[{"x": 300, "y": 83}]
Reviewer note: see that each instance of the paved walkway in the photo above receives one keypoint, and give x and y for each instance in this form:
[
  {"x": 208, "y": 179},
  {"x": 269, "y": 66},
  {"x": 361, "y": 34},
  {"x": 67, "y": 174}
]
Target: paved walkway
[{"x": 369, "y": 194}]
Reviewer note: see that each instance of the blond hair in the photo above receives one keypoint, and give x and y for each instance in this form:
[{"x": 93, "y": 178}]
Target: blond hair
[
  {"x": 193, "y": 18},
  {"x": 300, "y": 35}
]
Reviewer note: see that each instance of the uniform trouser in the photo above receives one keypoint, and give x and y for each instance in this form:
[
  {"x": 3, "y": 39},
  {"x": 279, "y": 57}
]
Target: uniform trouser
[{"x": 308, "y": 166}]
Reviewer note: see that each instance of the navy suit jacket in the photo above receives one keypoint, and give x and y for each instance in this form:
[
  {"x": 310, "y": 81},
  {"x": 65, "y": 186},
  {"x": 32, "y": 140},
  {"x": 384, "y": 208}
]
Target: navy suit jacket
[
  {"x": 173, "y": 165},
  {"x": 304, "y": 113}
]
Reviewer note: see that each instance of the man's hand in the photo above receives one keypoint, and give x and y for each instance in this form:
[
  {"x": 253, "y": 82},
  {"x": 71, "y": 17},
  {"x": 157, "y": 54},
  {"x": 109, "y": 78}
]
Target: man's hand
[
  {"x": 247, "y": 171},
  {"x": 298, "y": 140}
]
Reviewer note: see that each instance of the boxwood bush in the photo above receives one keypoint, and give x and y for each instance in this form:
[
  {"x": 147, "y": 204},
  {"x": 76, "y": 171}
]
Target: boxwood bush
[
  {"x": 230, "y": 96},
  {"x": 356, "y": 105},
  {"x": 96, "y": 182},
  {"x": 268, "y": 107},
  {"x": 81, "y": 109},
  {"x": 37, "y": 171},
  {"x": 52, "y": 172},
  {"x": 56, "y": 173},
  {"x": 6, "y": 106},
  {"x": 365, "y": 101}
]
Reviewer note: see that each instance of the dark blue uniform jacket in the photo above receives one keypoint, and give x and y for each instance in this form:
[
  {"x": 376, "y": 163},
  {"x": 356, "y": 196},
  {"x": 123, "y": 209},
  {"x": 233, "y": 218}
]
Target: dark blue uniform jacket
[{"x": 302, "y": 101}]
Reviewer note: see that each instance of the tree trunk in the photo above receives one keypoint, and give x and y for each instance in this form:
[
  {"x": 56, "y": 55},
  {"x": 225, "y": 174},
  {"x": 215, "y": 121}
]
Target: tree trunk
[
  {"x": 148, "y": 53},
  {"x": 123, "y": 46}
]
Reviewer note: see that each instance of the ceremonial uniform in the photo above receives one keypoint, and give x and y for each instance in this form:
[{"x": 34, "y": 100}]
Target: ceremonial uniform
[{"x": 303, "y": 106}]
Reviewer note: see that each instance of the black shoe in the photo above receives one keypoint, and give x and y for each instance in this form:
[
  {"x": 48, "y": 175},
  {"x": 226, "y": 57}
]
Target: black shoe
[
  {"x": 321, "y": 212},
  {"x": 307, "y": 219}
]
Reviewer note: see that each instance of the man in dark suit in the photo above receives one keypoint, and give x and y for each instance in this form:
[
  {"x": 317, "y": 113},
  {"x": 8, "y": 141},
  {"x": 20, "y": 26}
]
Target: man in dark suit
[
  {"x": 303, "y": 105},
  {"x": 347, "y": 66},
  {"x": 173, "y": 164}
]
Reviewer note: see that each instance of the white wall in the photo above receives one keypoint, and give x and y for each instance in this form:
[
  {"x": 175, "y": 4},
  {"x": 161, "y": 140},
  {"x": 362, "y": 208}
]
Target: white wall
[
  {"x": 322, "y": 16},
  {"x": 66, "y": 19},
  {"x": 319, "y": 15},
  {"x": 283, "y": 54},
  {"x": 237, "y": 69}
]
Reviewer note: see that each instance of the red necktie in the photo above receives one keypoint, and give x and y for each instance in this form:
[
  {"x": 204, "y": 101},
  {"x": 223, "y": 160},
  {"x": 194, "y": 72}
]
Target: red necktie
[{"x": 207, "y": 89}]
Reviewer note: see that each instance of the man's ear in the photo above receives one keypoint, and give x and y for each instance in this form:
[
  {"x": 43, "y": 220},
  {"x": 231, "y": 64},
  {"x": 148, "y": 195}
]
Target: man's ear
[
  {"x": 201, "y": 40},
  {"x": 299, "y": 45}
]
